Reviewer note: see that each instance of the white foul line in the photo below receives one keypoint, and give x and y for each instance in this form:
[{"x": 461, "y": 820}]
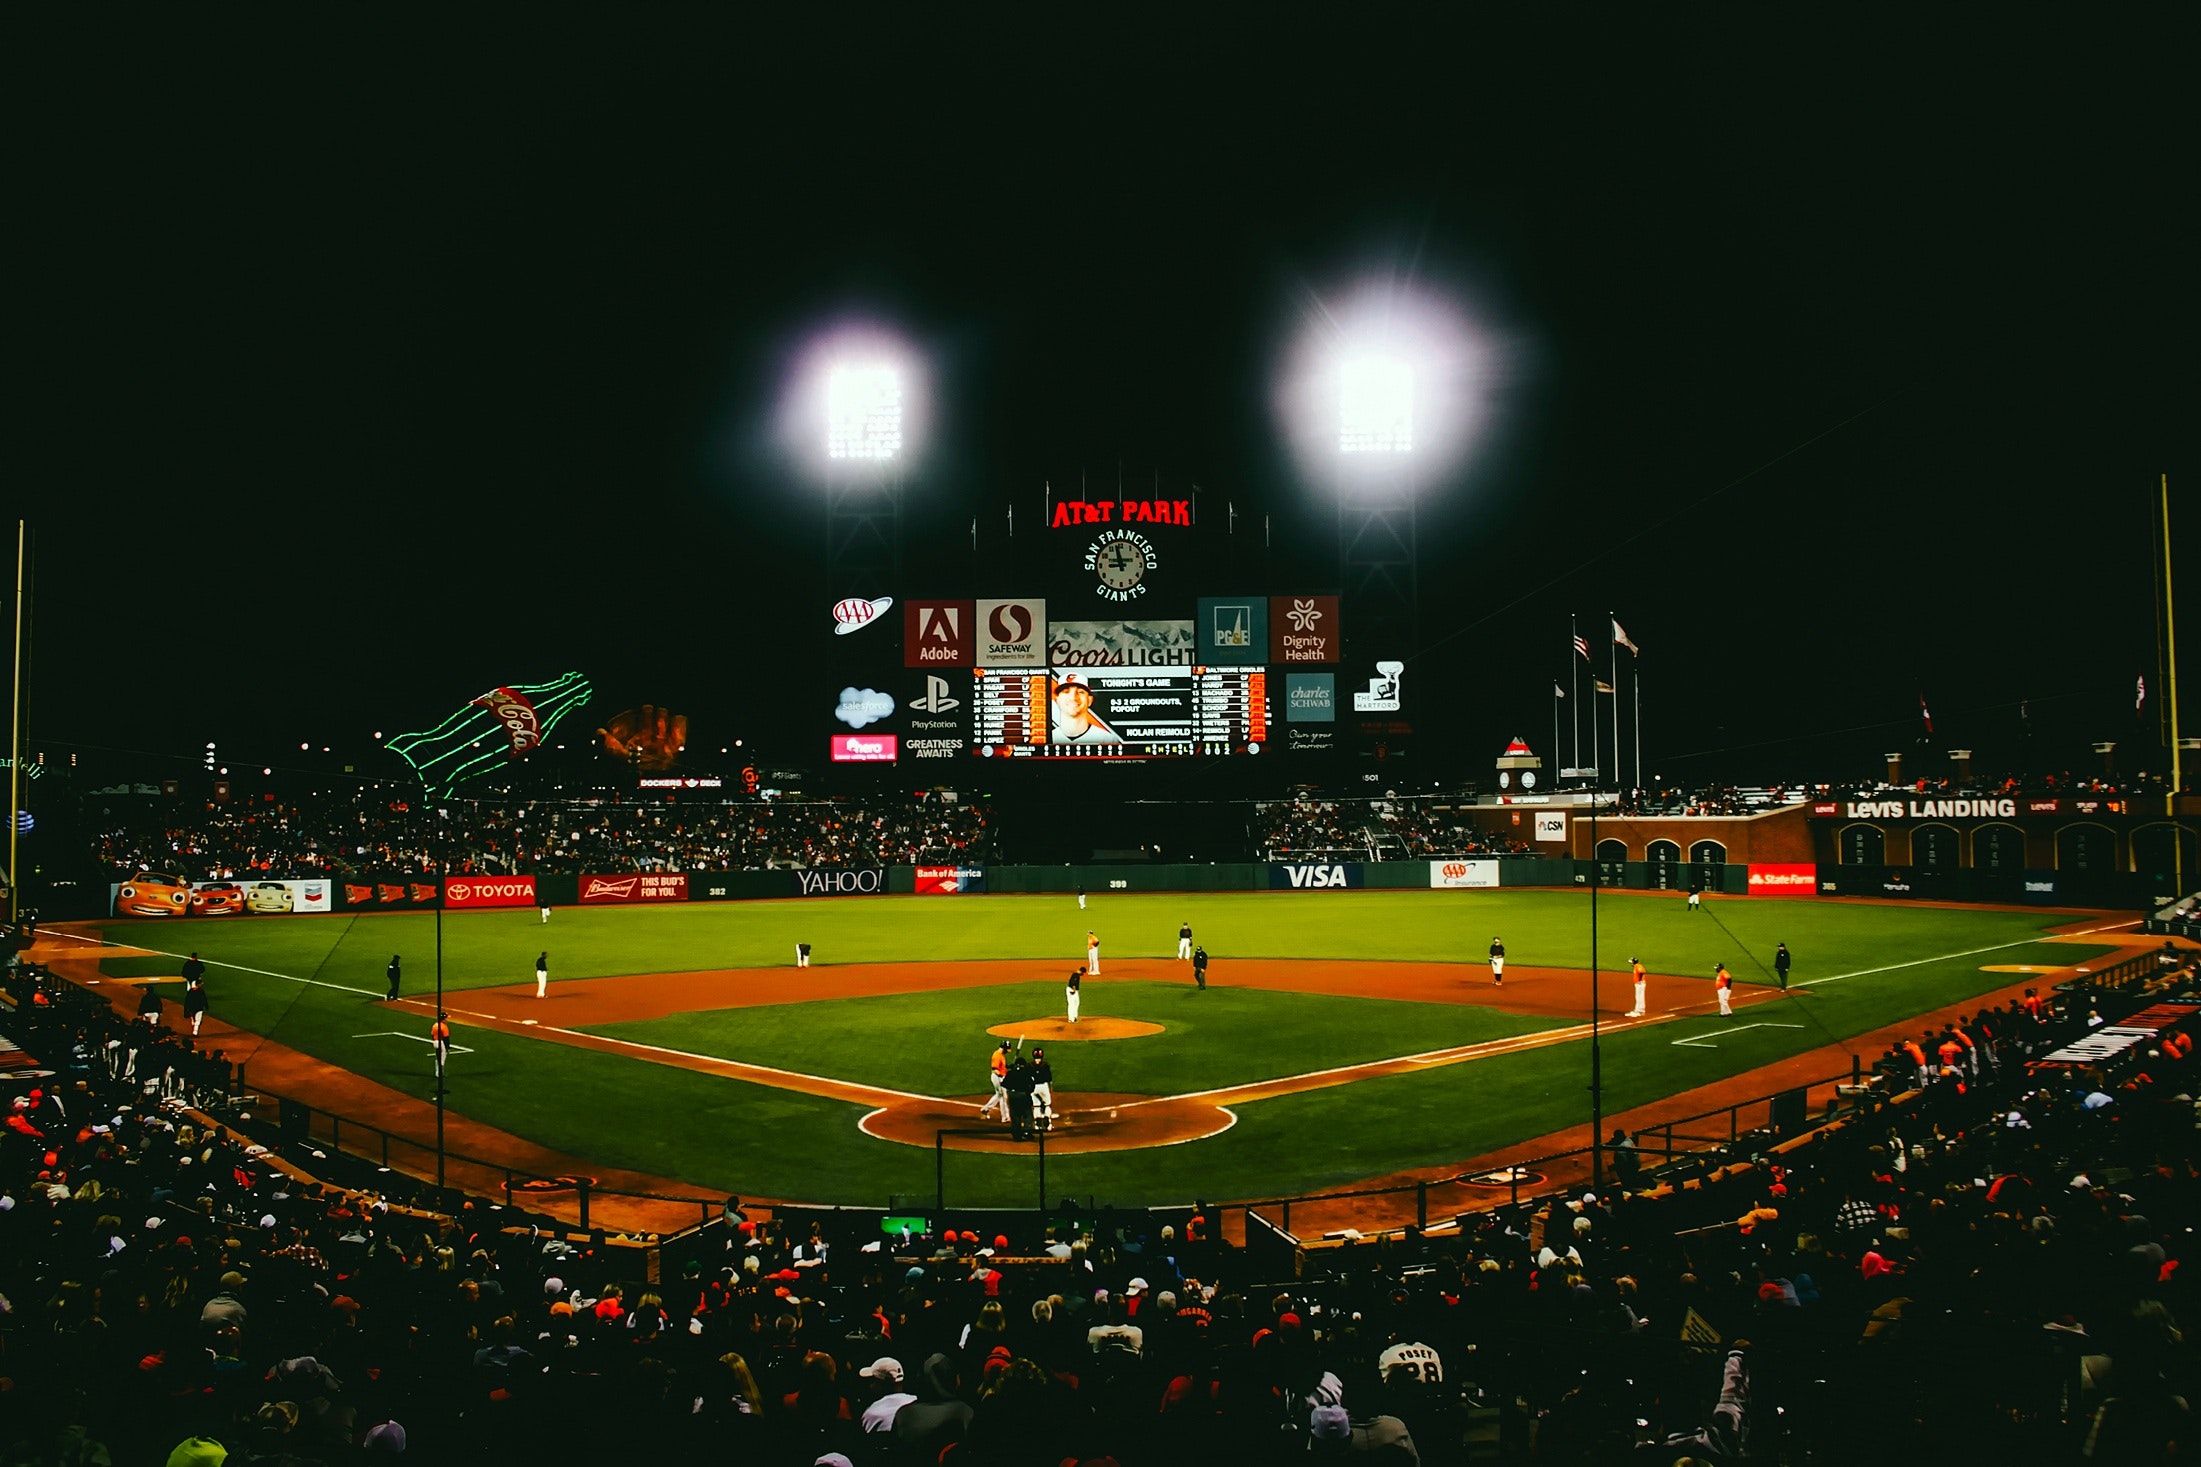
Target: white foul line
[
  {"x": 1969, "y": 953},
  {"x": 1704, "y": 1041},
  {"x": 218, "y": 963}
]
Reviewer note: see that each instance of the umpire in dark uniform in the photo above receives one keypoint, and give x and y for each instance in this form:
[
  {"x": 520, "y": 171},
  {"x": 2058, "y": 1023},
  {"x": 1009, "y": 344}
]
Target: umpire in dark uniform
[{"x": 1019, "y": 1085}]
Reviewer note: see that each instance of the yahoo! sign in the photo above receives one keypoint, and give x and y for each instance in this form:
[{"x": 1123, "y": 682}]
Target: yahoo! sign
[{"x": 862, "y": 881}]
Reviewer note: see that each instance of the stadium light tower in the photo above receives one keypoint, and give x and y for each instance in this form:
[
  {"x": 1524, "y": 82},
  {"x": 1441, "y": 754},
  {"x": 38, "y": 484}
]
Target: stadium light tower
[
  {"x": 1380, "y": 394},
  {"x": 854, "y": 416}
]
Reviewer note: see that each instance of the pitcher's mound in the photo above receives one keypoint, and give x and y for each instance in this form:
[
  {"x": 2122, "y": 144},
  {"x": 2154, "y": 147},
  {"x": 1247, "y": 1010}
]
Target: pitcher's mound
[{"x": 1054, "y": 1031}]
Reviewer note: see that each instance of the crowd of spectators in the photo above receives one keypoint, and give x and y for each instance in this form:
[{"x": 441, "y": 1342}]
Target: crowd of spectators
[
  {"x": 1388, "y": 829},
  {"x": 371, "y": 833},
  {"x": 1991, "y": 1257}
]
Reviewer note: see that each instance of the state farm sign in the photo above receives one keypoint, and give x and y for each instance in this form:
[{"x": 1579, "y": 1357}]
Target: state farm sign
[
  {"x": 489, "y": 891},
  {"x": 1784, "y": 880},
  {"x": 637, "y": 886}
]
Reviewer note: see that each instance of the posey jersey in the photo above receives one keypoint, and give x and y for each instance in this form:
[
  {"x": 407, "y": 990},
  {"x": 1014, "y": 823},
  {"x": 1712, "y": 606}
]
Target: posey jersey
[{"x": 1411, "y": 1360}]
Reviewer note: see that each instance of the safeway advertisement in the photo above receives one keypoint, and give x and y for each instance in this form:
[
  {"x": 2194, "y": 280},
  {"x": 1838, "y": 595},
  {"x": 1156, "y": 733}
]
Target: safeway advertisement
[
  {"x": 1784, "y": 880},
  {"x": 635, "y": 886},
  {"x": 1450, "y": 875},
  {"x": 950, "y": 880},
  {"x": 489, "y": 891}
]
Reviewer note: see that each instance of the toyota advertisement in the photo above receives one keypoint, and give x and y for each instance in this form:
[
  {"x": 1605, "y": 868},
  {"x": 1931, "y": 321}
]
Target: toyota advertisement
[
  {"x": 489, "y": 891},
  {"x": 642, "y": 886}
]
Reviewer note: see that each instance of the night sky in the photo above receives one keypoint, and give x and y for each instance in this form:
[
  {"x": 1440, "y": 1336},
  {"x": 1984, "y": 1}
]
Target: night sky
[{"x": 357, "y": 371}]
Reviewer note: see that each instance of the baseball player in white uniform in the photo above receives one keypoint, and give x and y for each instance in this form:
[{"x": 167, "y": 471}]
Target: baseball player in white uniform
[
  {"x": 1184, "y": 941},
  {"x": 1092, "y": 952},
  {"x": 1070, "y": 992}
]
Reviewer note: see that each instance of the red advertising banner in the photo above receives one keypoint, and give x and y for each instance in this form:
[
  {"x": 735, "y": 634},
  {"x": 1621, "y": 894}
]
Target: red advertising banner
[
  {"x": 635, "y": 886},
  {"x": 949, "y": 880},
  {"x": 1789, "y": 881},
  {"x": 489, "y": 891},
  {"x": 865, "y": 748}
]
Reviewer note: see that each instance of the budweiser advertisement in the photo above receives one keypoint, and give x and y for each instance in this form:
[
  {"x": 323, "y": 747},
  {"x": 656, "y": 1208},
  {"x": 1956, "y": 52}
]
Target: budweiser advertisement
[
  {"x": 1783, "y": 880},
  {"x": 635, "y": 886},
  {"x": 950, "y": 880},
  {"x": 489, "y": 891},
  {"x": 865, "y": 748}
]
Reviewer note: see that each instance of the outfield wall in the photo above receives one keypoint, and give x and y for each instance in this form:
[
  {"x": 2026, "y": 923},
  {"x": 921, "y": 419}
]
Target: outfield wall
[{"x": 412, "y": 892}]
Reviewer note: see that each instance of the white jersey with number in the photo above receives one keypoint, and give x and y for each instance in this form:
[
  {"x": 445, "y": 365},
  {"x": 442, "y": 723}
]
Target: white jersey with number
[{"x": 1412, "y": 1361}]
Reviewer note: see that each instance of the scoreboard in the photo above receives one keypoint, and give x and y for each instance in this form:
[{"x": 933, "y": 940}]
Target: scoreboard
[{"x": 1143, "y": 712}]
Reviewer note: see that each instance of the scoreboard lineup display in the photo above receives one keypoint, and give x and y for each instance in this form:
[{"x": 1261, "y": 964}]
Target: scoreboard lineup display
[
  {"x": 1119, "y": 712},
  {"x": 1110, "y": 654}
]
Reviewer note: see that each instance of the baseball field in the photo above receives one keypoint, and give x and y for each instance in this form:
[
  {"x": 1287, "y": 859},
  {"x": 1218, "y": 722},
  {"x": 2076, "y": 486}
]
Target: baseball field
[{"x": 1344, "y": 1035}]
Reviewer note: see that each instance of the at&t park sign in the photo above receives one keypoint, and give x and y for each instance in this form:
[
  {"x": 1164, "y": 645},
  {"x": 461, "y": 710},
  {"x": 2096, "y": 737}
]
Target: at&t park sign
[
  {"x": 1913, "y": 809},
  {"x": 1074, "y": 512}
]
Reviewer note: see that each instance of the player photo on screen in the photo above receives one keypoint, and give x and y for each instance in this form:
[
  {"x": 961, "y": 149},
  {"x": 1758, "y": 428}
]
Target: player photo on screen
[
  {"x": 1139, "y": 706},
  {"x": 1071, "y": 716}
]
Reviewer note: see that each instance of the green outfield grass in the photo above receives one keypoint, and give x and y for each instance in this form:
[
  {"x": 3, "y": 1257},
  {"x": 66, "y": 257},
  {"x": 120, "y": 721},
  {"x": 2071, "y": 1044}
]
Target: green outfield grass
[{"x": 311, "y": 983}]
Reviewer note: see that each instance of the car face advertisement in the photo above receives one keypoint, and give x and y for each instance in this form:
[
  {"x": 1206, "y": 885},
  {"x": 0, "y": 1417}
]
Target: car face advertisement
[{"x": 155, "y": 893}]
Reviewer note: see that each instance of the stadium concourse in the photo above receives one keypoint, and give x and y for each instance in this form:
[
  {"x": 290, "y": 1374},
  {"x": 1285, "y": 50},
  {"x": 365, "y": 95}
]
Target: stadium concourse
[{"x": 1992, "y": 1256}]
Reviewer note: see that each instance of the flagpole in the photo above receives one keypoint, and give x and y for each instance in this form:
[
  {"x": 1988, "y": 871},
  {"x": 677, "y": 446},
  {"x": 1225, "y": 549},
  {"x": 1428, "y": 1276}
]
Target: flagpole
[
  {"x": 1636, "y": 671},
  {"x": 1574, "y": 689},
  {"x": 1616, "y": 701},
  {"x": 2170, "y": 692}
]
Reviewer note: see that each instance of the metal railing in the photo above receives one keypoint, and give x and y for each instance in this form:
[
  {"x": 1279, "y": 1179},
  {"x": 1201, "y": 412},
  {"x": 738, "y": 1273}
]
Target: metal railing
[{"x": 464, "y": 1172}]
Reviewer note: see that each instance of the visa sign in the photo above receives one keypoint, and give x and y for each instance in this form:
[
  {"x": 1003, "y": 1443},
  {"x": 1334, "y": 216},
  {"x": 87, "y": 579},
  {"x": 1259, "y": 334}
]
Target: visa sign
[{"x": 1315, "y": 876}]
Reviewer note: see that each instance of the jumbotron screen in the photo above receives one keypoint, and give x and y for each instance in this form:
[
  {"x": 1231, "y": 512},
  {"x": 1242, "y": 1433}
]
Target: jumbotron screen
[{"x": 1146, "y": 712}]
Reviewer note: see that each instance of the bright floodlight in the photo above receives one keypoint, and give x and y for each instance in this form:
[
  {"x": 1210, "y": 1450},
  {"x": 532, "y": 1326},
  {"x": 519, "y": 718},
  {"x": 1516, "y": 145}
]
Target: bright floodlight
[
  {"x": 863, "y": 412},
  {"x": 1375, "y": 405},
  {"x": 1384, "y": 383}
]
